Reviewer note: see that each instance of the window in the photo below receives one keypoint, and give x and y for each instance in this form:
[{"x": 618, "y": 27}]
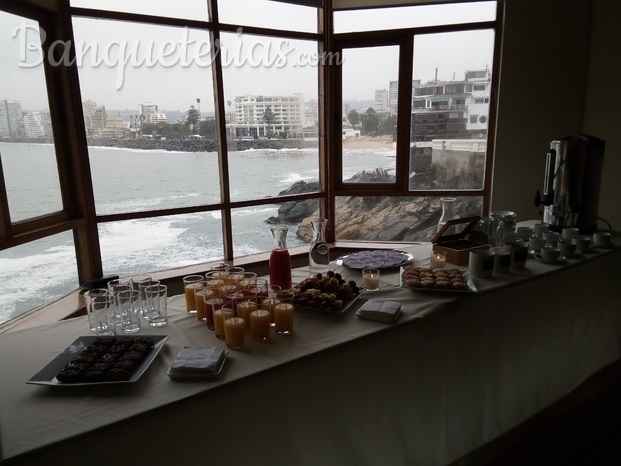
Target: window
[{"x": 177, "y": 134}]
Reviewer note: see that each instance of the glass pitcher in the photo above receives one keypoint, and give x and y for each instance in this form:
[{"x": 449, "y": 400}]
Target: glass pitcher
[
  {"x": 319, "y": 252},
  {"x": 280, "y": 259},
  {"x": 447, "y": 214}
]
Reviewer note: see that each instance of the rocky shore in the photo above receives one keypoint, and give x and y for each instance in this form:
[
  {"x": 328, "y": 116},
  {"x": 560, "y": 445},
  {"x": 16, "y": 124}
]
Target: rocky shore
[
  {"x": 370, "y": 218},
  {"x": 191, "y": 145}
]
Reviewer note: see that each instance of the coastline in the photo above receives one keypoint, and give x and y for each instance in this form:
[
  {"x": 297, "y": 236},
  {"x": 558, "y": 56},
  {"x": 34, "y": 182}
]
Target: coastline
[
  {"x": 187, "y": 145},
  {"x": 380, "y": 142}
]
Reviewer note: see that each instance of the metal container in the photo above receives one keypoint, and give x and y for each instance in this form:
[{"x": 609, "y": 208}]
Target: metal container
[{"x": 572, "y": 183}]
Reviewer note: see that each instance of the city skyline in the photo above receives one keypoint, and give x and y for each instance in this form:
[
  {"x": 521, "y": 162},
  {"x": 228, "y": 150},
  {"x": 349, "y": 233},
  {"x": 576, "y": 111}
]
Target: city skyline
[{"x": 125, "y": 88}]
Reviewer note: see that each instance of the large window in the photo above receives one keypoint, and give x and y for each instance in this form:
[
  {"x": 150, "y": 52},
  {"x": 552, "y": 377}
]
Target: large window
[{"x": 137, "y": 137}]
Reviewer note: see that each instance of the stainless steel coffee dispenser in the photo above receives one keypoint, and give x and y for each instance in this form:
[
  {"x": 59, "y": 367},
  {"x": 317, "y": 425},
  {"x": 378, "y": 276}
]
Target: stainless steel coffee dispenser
[{"x": 572, "y": 183}]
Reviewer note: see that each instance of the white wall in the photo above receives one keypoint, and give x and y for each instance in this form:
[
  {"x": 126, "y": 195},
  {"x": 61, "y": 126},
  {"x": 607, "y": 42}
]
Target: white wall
[
  {"x": 603, "y": 102},
  {"x": 557, "y": 78}
]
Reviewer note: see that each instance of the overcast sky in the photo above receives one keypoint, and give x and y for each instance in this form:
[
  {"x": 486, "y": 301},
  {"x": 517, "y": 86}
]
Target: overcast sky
[{"x": 115, "y": 71}]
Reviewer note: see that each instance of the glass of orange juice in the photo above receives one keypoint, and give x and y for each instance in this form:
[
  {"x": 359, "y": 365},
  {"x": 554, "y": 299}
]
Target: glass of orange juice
[
  {"x": 234, "y": 323},
  {"x": 283, "y": 313},
  {"x": 190, "y": 283}
]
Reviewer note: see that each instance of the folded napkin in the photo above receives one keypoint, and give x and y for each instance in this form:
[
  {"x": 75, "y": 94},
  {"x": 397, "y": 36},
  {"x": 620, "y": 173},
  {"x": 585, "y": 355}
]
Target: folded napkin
[
  {"x": 198, "y": 360},
  {"x": 382, "y": 311}
]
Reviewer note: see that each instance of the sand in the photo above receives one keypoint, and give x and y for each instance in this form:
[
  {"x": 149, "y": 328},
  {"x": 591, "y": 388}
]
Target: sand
[{"x": 380, "y": 142}]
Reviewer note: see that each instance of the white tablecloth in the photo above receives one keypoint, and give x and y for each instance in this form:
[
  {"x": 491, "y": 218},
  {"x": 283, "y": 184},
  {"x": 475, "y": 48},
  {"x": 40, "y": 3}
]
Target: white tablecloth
[{"x": 454, "y": 372}]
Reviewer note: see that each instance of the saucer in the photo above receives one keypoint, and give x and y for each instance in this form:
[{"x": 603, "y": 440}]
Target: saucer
[{"x": 560, "y": 260}]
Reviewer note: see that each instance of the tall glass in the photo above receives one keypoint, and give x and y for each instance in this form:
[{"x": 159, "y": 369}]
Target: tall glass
[{"x": 190, "y": 283}]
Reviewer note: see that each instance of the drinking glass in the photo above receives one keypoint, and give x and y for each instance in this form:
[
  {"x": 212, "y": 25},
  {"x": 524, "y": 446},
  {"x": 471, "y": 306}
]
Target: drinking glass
[
  {"x": 100, "y": 311},
  {"x": 128, "y": 304},
  {"x": 157, "y": 303},
  {"x": 190, "y": 283},
  {"x": 283, "y": 313},
  {"x": 234, "y": 323},
  {"x": 142, "y": 298}
]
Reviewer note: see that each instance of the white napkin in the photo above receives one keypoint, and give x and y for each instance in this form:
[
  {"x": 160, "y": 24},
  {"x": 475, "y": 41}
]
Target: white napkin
[
  {"x": 382, "y": 311},
  {"x": 196, "y": 360}
]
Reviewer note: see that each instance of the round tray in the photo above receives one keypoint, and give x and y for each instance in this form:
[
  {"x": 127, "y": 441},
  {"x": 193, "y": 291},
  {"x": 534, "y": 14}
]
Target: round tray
[{"x": 377, "y": 259}]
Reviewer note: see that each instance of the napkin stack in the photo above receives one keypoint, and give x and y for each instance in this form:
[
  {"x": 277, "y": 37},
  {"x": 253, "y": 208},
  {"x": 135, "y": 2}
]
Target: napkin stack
[
  {"x": 198, "y": 360},
  {"x": 379, "y": 310}
]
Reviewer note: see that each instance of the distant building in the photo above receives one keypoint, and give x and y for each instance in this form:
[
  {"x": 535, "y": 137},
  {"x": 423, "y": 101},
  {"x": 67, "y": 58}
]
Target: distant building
[
  {"x": 381, "y": 100},
  {"x": 156, "y": 118},
  {"x": 115, "y": 126},
  {"x": 393, "y": 89},
  {"x": 249, "y": 110},
  {"x": 311, "y": 114},
  {"x": 451, "y": 109},
  {"x": 145, "y": 110},
  {"x": 37, "y": 125},
  {"x": 11, "y": 119}
]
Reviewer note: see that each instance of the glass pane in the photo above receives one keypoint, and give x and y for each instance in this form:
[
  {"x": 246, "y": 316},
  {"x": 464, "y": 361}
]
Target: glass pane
[
  {"x": 369, "y": 112},
  {"x": 150, "y": 121},
  {"x": 251, "y": 225},
  {"x": 272, "y": 117},
  {"x": 36, "y": 273},
  {"x": 27, "y": 149},
  {"x": 187, "y": 9},
  {"x": 377, "y": 218},
  {"x": 147, "y": 245},
  {"x": 413, "y": 16},
  {"x": 268, "y": 14},
  {"x": 450, "y": 108}
]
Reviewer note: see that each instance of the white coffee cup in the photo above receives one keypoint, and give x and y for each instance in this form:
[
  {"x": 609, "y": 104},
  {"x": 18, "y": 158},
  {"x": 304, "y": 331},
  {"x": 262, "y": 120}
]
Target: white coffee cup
[
  {"x": 583, "y": 242},
  {"x": 502, "y": 259},
  {"x": 519, "y": 254},
  {"x": 540, "y": 228},
  {"x": 481, "y": 263},
  {"x": 550, "y": 253},
  {"x": 570, "y": 232},
  {"x": 552, "y": 237},
  {"x": 602, "y": 239},
  {"x": 536, "y": 243},
  {"x": 567, "y": 246}
]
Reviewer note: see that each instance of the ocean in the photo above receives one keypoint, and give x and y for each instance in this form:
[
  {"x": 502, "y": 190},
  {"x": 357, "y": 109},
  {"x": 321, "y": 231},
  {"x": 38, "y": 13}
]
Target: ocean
[{"x": 126, "y": 180}]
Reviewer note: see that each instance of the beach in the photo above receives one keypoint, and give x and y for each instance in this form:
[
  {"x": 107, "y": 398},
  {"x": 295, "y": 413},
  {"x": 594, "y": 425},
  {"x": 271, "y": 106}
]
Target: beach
[{"x": 380, "y": 142}]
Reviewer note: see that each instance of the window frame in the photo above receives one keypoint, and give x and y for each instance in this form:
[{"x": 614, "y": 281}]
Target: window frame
[{"x": 65, "y": 103}]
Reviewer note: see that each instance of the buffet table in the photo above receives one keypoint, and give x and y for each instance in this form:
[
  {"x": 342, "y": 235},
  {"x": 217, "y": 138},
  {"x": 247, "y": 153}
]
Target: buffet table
[{"x": 455, "y": 371}]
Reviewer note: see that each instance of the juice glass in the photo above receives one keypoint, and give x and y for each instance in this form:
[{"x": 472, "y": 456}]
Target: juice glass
[
  {"x": 218, "y": 317},
  {"x": 260, "y": 324},
  {"x": 190, "y": 283},
  {"x": 270, "y": 301},
  {"x": 245, "y": 308},
  {"x": 234, "y": 327},
  {"x": 283, "y": 314},
  {"x": 200, "y": 296}
]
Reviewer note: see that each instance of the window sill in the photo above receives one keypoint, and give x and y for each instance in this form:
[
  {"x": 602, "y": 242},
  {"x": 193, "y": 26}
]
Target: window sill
[{"x": 72, "y": 304}]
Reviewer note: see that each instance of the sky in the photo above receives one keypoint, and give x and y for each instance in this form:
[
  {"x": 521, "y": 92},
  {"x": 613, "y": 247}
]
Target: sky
[{"x": 123, "y": 65}]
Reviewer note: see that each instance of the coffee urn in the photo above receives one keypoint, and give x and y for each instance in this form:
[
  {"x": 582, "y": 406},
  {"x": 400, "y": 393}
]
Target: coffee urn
[{"x": 572, "y": 182}]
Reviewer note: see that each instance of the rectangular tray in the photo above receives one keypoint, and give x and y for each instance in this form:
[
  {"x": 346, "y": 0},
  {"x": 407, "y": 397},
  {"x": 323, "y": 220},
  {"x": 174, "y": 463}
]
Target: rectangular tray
[
  {"x": 342, "y": 310},
  {"x": 467, "y": 278},
  {"x": 47, "y": 375}
]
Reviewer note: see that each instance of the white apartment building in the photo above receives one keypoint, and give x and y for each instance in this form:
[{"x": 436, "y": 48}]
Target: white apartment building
[
  {"x": 156, "y": 118},
  {"x": 249, "y": 110},
  {"x": 381, "y": 100},
  {"x": 37, "y": 125},
  {"x": 147, "y": 109},
  {"x": 11, "y": 119}
]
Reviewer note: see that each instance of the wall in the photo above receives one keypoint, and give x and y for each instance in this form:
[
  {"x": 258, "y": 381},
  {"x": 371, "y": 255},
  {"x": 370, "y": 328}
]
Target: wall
[
  {"x": 543, "y": 78},
  {"x": 603, "y": 102}
]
